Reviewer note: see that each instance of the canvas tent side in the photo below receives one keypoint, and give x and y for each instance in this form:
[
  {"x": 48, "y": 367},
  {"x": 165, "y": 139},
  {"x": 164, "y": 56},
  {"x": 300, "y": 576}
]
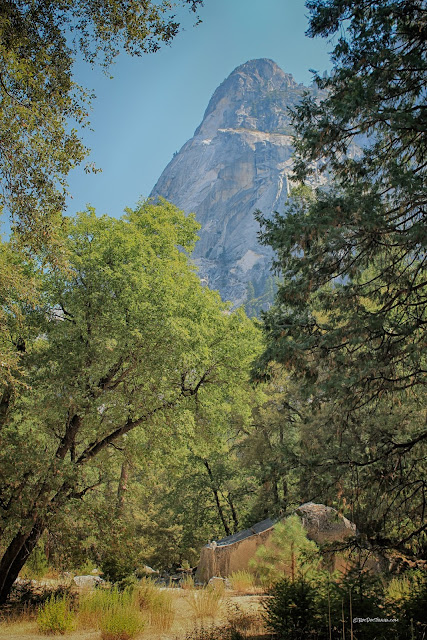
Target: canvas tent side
[
  {"x": 233, "y": 553},
  {"x": 223, "y": 557}
]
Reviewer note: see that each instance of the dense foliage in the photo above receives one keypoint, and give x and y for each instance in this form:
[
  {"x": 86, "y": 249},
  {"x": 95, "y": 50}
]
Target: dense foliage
[
  {"x": 350, "y": 316},
  {"x": 126, "y": 337},
  {"x": 357, "y": 605},
  {"x": 41, "y": 103}
]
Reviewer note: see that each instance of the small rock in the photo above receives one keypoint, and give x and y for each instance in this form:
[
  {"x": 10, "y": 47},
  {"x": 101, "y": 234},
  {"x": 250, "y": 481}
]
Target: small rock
[
  {"x": 87, "y": 582},
  {"x": 217, "y": 580},
  {"x": 148, "y": 570}
]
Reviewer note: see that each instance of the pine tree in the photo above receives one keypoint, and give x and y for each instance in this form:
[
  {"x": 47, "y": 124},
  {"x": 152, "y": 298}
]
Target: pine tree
[{"x": 349, "y": 319}]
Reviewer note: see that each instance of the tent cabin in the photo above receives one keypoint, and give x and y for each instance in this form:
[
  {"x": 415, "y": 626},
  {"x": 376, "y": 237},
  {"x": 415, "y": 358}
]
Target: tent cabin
[{"x": 233, "y": 553}]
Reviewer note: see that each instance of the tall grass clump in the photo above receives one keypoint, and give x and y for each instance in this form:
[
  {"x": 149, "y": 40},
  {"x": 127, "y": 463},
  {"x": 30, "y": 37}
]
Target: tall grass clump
[
  {"x": 145, "y": 593},
  {"x": 54, "y": 616},
  {"x": 121, "y": 623},
  {"x": 157, "y": 604},
  {"x": 242, "y": 581},
  {"x": 94, "y": 605},
  {"x": 187, "y": 583},
  {"x": 114, "y": 613},
  {"x": 205, "y": 602}
]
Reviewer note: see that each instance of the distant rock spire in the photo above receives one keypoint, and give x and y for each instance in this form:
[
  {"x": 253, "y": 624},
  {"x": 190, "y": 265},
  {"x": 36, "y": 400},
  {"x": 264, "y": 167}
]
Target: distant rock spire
[{"x": 238, "y": 160}]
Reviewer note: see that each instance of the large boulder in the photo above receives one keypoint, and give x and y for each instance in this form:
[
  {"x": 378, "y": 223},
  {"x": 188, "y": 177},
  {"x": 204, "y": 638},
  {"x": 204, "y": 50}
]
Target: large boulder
[{"x": 324, "y": 524}]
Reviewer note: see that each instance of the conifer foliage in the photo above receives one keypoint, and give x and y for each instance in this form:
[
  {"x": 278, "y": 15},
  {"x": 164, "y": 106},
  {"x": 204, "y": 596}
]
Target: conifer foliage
[{"x": 350, "y": 316}]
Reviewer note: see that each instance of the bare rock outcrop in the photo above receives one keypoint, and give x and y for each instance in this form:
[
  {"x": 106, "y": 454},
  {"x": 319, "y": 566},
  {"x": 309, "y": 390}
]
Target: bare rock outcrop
[
  {"x": 324, "y": 524},
  {"x": 238, "y": 160}
]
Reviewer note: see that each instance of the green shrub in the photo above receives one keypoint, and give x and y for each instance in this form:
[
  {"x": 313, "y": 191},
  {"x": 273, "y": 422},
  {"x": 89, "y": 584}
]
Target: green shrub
[
  {"x": 287, "y": 552},
  {"x": 303, "y": 608},
  {"x": 37, "y": 564},
  {"x": 116, "y": 567},
  {"x": 30, "y": 595},
  {"x": 55, "y": 617},
  {"x": 121, "y": 623},
  {"x": 291, "y": 609},
  {"x": 411, "y": 610}
]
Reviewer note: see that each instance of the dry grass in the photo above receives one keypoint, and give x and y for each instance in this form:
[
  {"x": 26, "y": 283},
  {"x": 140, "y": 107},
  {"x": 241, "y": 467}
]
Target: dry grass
[
  {"x": 205, "y": 602},
  {"x": 182, "y": 628},
  {"x": 28, "y": 631},
  {"x": 187, "y": 583},
  {"x": 243, "y": 582},
  {"x": 159, "y": 606},
  {"x": 116, "y": 614},
  {"x": 93, "y": 605}
]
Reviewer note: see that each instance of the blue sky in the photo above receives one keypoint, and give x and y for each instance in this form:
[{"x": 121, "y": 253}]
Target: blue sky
[{"x": 154, "y": 103}]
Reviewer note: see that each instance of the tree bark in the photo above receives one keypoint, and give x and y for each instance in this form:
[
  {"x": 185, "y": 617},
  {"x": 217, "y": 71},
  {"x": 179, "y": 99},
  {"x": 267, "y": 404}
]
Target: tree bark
[
  {"x": 15, "y": 556},
  {"x": 5, "y": 400},
  {"x": 217, "y": 500},
  {"x": 122, "y": 488},
  {"x": 233, "y": 513},
  {"x": 43, "y": 506}
]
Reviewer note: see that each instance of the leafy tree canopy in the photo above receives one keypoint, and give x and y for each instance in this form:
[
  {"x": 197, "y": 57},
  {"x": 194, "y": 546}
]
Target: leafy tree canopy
[
  {"x": 125, "y": 338},
  {"x": 41, "y": 103},
  {"x": 354, "y": 256}
]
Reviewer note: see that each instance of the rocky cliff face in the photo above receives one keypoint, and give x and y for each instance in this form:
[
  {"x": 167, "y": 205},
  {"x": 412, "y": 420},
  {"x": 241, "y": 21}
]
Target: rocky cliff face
[{"x": 238, "y": 160}]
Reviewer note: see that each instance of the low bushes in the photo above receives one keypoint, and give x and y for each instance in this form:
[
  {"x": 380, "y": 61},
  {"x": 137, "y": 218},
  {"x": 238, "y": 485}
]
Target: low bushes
[
  {"x": 122, "y": 622},
  {"x": 239, "y": 625},
  {"x": 325, "y": 607},
  {"x": 114, "y": 613},
  {"x": 157, "y": 604},
  {"x": 55, "y": 617},
  {"x": 94, "y": 605}
]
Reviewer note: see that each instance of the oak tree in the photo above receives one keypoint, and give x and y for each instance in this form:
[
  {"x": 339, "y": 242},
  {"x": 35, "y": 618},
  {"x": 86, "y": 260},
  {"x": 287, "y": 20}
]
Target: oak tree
[{"x": 126, "y": 338}]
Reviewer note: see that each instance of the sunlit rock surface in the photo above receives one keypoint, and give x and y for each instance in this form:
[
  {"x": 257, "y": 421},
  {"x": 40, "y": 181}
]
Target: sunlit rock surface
[{"x": 238, "y": 160}]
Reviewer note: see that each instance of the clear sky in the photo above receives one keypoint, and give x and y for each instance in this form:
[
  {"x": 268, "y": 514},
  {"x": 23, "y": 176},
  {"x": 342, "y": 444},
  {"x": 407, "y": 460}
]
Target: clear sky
[{"x": 154, "y": 103}]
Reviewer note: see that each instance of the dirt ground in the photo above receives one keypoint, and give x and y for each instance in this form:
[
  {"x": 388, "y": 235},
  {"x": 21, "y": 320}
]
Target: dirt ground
[{"x": 184, "y": 622}]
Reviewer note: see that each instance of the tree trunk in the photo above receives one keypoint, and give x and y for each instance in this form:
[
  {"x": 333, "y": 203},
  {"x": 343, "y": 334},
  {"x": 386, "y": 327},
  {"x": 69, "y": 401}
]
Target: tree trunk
[
  {"x": 285, "y": 494},
  {"x": 5, "y": 401},
  {"x": 233, "y": 513},
  {"x": 218, "y": 503},
  {"x": 16, "y": 556},
  {"x": 122, "y": 488}
]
